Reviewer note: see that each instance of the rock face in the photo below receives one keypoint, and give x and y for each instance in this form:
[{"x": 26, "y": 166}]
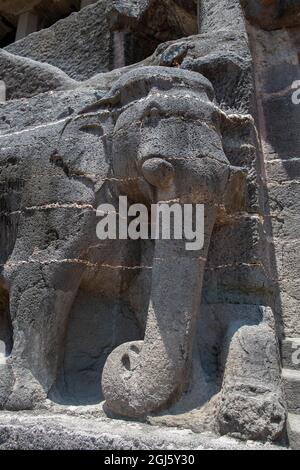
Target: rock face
[
  {"x": 155, "y": 331},
  {"x": 80, "y": 45},
  {"x": 275, "y": 50},
  {"x": 272, "y": 14},
  {"x": 108, "y": 34},
  {"x": 165, "y": 19},
  {"x": 275, "y": 73},
  {"x": 48, "y": 431},
  {"x": 40, "y": 78}
]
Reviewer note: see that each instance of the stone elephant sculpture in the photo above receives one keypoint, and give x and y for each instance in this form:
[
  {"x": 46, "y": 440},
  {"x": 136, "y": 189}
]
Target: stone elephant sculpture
[
  {"x": 166, "y": 146},
  {"x": 154, "y": 137}
]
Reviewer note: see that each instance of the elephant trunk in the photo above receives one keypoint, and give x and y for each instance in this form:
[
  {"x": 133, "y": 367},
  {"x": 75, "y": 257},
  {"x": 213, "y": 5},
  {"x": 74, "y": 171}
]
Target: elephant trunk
[{"x": 144, "y": 377}]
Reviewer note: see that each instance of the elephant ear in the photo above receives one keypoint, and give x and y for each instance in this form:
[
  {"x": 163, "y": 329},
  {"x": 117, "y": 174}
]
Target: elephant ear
[{"x": 83, "y": 150}]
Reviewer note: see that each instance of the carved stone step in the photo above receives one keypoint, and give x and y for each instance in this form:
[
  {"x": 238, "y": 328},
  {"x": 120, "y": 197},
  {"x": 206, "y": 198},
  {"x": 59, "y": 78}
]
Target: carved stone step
[
  {"x": 290, "y": 350},
  {"x": 291, "y": 380},
  {"x": 294, "y": 431}
]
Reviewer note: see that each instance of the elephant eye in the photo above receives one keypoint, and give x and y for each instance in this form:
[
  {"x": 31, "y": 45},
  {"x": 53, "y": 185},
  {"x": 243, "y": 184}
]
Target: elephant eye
[
  {"x": 151, "y": 116},
  {"x": 154, "y": 112}
]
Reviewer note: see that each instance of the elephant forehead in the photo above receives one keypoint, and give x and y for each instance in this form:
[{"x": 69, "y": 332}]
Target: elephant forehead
[
  {"x": 186, "y": 104},
  {"x": 171, "y": 138}
]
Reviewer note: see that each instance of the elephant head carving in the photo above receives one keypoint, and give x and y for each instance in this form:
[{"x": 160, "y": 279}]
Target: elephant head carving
[{"x": 166, "y": 146}]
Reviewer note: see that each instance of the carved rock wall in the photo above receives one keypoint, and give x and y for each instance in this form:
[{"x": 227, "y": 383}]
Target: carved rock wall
[
  {"x": 272, "y": 14},
  {"x": 275, "y": 50},
  {"x": 276, "y": 59},
  {"x": 80, "y": 44},
  {"x": 73, "y": 300}
]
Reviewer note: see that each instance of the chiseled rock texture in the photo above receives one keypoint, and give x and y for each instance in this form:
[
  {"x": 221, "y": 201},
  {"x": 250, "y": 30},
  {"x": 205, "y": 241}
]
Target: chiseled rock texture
[
  {"x": 40, "y": 78},
  {"x": 146, "y": 328},
  {"x": 165, "y": 19},
  {"x": 272, "y": 14},
  {"x": 80, "y": 45},
  {"x": 275, "y": 44},
  {"x": 276, "y": 63},
  {"x": 69, "y": 431}
]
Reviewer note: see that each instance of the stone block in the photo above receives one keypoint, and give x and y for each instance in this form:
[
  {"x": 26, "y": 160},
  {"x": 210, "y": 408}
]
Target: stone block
[
  {"x": 291, "y": 382},
  {"x": 80, "y": 44}
]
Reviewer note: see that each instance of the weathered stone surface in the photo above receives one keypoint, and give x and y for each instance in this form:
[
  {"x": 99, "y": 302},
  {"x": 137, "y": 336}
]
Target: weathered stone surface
[
  {"x": 276, "y": 63},
  {"x": 230, "y": 75},
  {"x": 49, "y": 432},
  {"x": 63, "y": 163},
  {"x": 276, "y": 68},
  {"x": 283, "y": 140},
  {"x": 290, "y": 353},
  {"x": 281, "y": 171},
  {"x": 129, "y": 314},
  {"x": 42, "y": 110},
  {"x": 163, "y": 19},
  {"x": 16, "y": 7},
  {"x": 128, "y": 374},
  {"x": 215, "y": 327},
  {"x": 294, "y": 431},
  {"x": 80, "y": 44},
  {"x": 40, "y": 78},
  {"x": 211, "y": 20},
  {"x": 273, "y": 14},
  {"x": 83, "y": 45},
  {"x": 291, "y": 381},
  {"x": 232, "y": 344},
  {"x": 252, "y": 402}
]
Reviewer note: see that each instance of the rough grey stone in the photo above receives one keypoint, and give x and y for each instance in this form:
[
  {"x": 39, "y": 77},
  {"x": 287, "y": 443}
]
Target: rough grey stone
[
  {"x": 131, "y": 315},
  {"x": 278, "y": 110},
  {"x": 274, "y": 14},
  {"x": 39, "y": 78},
  {"x": 284, "y": 197},
  {"x": 20, "y": 115},
  {"x": 290, "y": 353},
  {"x": 233, "y": 344},
  {"x": 80, "y": 44},
  {"x": 231, "y": 18},
  {"x": 291, "y": 381},
  {"x": 281, "y": 171},
  {"x": 128, "y": 374},
  {"x": 252, "y": 402},
  {"x": 47, "y": 432},
  {"x": 230, "y": 75},
  {"x": 163, "y": 19},
  {"x": 276, "y": 64},
  {"x": 294, "y": 431}
]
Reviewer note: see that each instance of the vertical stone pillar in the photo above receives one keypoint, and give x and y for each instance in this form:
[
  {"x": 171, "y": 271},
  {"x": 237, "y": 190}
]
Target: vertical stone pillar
[
  {"x": 27, "y": 24},
  {"x": 198, "y": 14},
  {"x": 85, "y": 3},
  {"x": 119, "y": 49},
  {"x": 2, "y": 92}
]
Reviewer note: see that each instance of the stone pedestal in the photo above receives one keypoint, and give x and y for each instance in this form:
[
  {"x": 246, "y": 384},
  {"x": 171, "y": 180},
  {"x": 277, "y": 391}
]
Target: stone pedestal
[{"x": 27, "y": 24}]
